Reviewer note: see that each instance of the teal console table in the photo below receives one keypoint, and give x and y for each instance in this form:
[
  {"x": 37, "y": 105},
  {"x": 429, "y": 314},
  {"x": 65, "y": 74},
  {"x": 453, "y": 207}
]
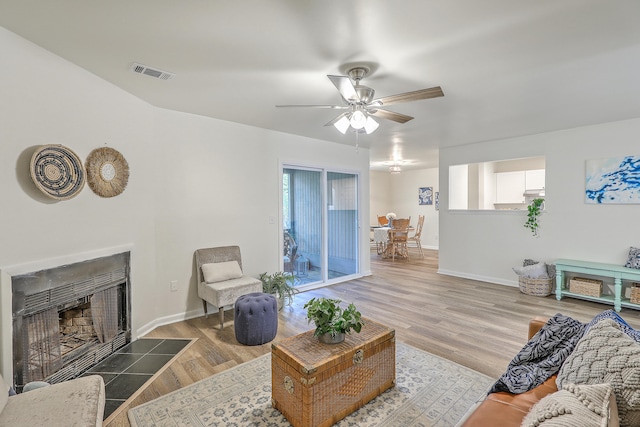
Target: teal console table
[{"x": 617, "y": 272}]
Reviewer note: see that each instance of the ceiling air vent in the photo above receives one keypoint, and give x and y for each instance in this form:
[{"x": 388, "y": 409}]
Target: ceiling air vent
[{"x": 153, "y": 72}]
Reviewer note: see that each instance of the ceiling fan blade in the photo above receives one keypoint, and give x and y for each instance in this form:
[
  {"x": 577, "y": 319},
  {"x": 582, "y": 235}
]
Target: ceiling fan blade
[
  {"x": 417, "y": 95},
  {"x": 390, "y": 115},
  {"x": 333, "y": 107},
  {"x": 334, "y": 121},
  {"x": 345, "y": 87}
]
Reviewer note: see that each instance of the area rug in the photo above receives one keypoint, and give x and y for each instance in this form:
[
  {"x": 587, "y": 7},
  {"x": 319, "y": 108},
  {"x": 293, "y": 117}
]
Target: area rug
[{"x": 429, "y": 391}]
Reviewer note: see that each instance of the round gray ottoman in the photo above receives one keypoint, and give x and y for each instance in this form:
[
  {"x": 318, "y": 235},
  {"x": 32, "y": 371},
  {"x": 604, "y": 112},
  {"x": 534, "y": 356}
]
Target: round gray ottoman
[{"x": 256, "y": 318}]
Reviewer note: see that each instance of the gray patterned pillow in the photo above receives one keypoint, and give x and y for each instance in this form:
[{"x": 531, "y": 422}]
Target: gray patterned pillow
[
  {"x": 575, "y": 405},
  {"x": 633, "y": 259},
  {"x": 534, "y": 271},
  {"x": 605, "y": 354}
]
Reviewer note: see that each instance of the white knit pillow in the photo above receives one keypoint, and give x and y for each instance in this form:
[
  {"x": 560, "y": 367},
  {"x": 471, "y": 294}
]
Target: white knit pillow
[
  {"x": 606, "y": 354},
  {"x": 221, "y": 271},
  {"x": 575, "y": 406}
]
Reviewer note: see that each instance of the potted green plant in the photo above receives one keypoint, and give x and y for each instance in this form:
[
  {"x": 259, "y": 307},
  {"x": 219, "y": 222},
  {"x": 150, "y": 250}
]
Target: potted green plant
[
  {"x": 533, "y": 211},
  {"x": 281, "y": 285},
  {"x": 332, "y": 321}
]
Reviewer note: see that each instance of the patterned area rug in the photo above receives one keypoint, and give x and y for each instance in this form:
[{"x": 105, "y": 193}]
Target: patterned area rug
[{"x": 429, "y": 391}]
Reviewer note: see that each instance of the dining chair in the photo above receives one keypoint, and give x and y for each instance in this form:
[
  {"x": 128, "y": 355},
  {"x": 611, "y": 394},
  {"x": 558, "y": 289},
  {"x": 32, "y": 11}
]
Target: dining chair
[
  {"x": 416, "y": 237},
  {"x": 382, "y": 220},
  {"x": 398, "y": 235}
]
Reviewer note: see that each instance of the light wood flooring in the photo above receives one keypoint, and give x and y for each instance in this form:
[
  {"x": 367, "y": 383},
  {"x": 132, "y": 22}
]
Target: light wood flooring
[{"x": 476, "y": 324}]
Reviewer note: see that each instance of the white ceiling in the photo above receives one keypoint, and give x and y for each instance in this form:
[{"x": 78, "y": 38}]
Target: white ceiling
[{"x": 507, "y": 67}]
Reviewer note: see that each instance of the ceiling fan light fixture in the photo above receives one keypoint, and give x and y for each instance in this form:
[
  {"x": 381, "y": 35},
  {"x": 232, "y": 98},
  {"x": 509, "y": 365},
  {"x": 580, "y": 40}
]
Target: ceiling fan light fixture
[
  {"x": 358, "y": 120},
  {"x": 370, "y": 125},
  {"x": 342, "y": 125}
]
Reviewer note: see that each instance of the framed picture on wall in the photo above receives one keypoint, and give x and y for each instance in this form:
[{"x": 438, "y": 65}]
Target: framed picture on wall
[
  {"x": 437, "y": 200},
  {"x": 613, "y": 181},
  {"x": 425, "y": 196}
]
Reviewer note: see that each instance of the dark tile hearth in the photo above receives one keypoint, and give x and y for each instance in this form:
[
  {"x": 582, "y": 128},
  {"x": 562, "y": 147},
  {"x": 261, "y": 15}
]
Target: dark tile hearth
[{"x": 125, "y": 371}]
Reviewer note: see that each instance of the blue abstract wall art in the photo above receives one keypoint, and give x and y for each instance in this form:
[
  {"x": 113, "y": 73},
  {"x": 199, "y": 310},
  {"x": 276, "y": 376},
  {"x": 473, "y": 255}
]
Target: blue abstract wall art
[{"x": 613, "y": 181}]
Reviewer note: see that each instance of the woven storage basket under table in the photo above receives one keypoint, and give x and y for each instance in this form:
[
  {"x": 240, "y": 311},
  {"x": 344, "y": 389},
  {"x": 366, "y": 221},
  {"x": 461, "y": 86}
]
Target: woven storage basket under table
[
  {"x": 535, "y": 287},
  {"x": 316, "y": 384},
  {"x": 583, "y": 286},
  {"x": 635, "y": 293}
]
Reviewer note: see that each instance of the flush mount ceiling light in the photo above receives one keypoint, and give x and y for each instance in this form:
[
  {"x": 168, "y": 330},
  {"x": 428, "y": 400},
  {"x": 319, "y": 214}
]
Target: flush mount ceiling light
[{"x": 395, "y": 169}]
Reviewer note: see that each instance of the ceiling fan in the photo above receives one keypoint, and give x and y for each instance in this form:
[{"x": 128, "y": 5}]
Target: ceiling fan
[{"x": 361, "y": 105}]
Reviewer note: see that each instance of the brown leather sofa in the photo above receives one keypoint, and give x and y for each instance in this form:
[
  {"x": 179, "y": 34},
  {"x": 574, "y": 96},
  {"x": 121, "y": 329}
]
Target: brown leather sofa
[{"x": 505, "y": 409}]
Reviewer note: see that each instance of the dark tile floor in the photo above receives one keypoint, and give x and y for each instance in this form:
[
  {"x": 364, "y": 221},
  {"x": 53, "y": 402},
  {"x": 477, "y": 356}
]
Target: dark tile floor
[{"x": 125, "y": 371}]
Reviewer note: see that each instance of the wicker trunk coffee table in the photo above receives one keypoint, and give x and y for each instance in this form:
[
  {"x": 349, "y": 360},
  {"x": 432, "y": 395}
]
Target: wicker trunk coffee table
[{"x": 316, "y": 384}]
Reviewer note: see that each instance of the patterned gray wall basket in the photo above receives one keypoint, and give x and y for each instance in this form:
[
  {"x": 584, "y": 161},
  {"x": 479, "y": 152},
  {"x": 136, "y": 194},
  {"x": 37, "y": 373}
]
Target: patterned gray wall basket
[{"x": 57, "y": 171}]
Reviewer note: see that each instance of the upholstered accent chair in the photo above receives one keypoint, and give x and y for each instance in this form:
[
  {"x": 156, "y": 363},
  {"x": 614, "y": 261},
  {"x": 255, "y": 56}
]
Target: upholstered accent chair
[{"x": 220, "y": 278}]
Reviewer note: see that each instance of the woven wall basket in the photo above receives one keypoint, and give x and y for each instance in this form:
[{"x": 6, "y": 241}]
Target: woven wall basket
[
  {"x": 57, "y": 171},
  {"x": 107, "y": 172}
]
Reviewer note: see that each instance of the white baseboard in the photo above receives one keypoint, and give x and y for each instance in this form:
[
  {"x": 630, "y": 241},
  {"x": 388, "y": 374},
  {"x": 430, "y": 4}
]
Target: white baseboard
[
  {"x": 142, "y": 331},
  {"x": 496, "y": 280}
]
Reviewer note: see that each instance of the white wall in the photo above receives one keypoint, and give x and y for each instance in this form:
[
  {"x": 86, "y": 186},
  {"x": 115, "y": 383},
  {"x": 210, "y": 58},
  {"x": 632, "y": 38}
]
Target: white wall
[
  {"x": 486, "y": 244},
  {"x": 46, "y": 100},
  {"x": 404, "y": 199},
  {"x": 194, "y": 182},
  {"x": 380, "y": 197},
  {"x": 225, "y": 188},
  {"x": 459, "y": 181}
]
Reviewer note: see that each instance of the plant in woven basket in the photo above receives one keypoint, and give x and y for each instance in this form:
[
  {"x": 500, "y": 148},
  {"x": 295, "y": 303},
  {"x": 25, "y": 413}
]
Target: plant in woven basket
[
  {"x": 281, "y": 285},
  {"x": 331, "y": 319},
  {"x": 533, "y": 212}
]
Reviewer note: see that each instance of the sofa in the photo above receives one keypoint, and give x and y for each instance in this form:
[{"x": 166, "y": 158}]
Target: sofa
[
  {"x": 590, "y": 376},
  {"x": 509, "y": 409},
  {"x": 74, "y": 403}
]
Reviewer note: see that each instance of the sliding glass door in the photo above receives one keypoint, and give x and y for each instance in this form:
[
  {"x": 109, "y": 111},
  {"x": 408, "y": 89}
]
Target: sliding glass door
[
  {"x": 342, "y": 224},
  {"x": 320, "y": 224},
  {"x": 302, "y": 222}
]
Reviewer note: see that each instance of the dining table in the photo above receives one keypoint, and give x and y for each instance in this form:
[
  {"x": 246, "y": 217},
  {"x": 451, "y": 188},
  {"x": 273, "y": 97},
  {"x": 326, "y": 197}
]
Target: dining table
[{"x": 381, "y": 239}]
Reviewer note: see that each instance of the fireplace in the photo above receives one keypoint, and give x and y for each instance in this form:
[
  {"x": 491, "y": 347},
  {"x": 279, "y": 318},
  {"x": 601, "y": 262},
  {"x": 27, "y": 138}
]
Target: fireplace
[{"x": 68, "y": 318}]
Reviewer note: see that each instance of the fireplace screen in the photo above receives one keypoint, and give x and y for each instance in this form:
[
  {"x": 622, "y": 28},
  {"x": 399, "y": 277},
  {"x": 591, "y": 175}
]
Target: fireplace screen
[
  {"x": 104, "y": 310},
  {"x": 42, "y": 341},
  {"x": 68, "y": 318}
]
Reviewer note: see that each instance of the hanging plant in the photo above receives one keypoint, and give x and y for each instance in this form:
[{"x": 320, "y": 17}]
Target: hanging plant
[{"x": 534, "y": 209}]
